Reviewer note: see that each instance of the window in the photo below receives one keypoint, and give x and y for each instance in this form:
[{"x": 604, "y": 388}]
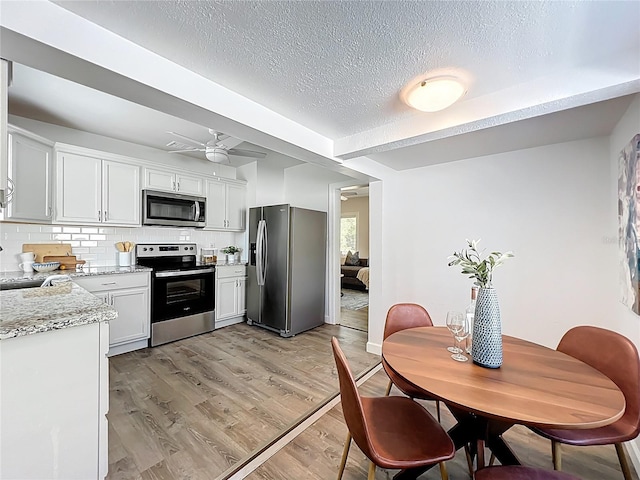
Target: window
[{"x": 348, "y": 232}]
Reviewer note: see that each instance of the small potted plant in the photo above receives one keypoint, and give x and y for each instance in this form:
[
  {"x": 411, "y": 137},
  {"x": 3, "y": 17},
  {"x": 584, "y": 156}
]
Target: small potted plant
[{"x": 231, "y": 251}]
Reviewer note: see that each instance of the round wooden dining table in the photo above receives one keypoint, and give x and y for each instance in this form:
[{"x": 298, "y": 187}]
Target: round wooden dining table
[{"x": 535, "y": 386}]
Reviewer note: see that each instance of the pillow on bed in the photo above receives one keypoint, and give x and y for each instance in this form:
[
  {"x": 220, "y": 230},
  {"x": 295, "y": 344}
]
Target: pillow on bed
[{"x": 352, "y": 258}]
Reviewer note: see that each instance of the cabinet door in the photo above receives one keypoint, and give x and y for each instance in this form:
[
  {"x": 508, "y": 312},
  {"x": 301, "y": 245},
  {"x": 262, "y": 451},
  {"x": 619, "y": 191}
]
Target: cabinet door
[
  {"x": 78, "y": 192},
  {"x": 242, "y": 295},
  {"x": 236, "y": 207},
  {"x": 133, "y": 316},
  {"x": 216, "y": 200},
  {"x": 30, "y": 164},
  {"x": 121, "y": 193},
  {"x": 189, "y": 185},
  {"x": 159, "y": 180},
  {"x": 226, "y": 298}
]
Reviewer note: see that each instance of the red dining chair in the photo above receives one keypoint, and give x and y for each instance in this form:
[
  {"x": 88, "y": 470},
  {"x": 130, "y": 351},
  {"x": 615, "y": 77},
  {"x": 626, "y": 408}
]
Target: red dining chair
[
  {"x": 400, "y": 317},
  {"x": 393, "y": 432},
  {"x": 616, "y": 357},
  {"x": 519, "y": 472}
]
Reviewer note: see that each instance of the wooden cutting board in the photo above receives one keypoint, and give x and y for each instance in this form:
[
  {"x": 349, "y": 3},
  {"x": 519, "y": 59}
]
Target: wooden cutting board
[
  {"x": 66, "y": 262},
  {"x": 42, "y": 250}
]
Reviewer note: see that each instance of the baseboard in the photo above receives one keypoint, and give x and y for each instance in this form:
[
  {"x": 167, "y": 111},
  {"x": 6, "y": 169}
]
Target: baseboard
[
  {"x": 128, "y": 347},
  {"x": 374, "y": 348},
  {"x": 633, "y": 452},
  {"x": 228, "y": 321}
]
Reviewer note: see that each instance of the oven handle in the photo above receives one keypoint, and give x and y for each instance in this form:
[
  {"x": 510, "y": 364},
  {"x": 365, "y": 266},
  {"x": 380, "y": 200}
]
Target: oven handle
[
  {"x": 183, "y": 273},
  {"x": 197, "y": 211}
]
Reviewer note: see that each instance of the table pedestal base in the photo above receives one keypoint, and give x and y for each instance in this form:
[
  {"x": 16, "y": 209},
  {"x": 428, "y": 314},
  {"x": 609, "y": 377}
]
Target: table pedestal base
[{"x": 474, "y": 432}]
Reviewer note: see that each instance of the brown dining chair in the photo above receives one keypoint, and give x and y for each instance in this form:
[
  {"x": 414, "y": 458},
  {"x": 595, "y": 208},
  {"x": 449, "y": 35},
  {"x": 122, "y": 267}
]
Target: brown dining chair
[
  {"x": 519, "y": 472},
  {"x": 616, "y": 357},
  {"x": 393, "y": 432},
  {"x": 400, "y": 317}
]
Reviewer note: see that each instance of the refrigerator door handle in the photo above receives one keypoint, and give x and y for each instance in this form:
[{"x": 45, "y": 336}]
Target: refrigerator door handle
[
  {"x": 265, "y": 250},
  {"x": 260, "y": 252}
]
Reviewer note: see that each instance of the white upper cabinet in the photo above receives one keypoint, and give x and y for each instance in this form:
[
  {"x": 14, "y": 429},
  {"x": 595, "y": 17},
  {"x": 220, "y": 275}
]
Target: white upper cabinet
[
  {"x": 30, "y": 169},
  {"x": 120, "y": 193},
  {"x": 226, "y": 205},
  {"x": 167, "y": 181},
  {"x": 91, "y": 190},
  {"x": 78, "y": 188}
]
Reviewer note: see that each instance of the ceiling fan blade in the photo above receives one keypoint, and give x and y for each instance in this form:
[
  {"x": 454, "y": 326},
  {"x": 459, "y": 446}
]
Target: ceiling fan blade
[
  {"x": 187, "y": 139},
  {"x": 246, "y": 153},
  {"x": 187, "y": 151}
]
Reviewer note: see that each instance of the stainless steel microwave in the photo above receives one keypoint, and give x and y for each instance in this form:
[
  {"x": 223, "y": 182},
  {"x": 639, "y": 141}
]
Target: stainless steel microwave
[{"x": 172, "y": 209}]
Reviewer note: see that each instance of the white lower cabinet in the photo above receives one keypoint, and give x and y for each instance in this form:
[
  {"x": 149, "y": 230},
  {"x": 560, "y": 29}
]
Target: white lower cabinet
[
  {"x": 55, "y": 398},
  {"x": 129, "y": 295},
  {"x": 231, "y": 281}
]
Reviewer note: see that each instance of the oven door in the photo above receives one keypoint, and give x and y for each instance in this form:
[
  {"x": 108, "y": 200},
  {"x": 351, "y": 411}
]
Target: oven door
[{"x": 182, "y": 293}]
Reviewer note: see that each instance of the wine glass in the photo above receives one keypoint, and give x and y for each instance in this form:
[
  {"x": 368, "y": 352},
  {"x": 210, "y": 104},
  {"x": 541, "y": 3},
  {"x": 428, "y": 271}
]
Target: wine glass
[
  {"x": 460, "y": 327},
  {"x": 452, "y": 317}
]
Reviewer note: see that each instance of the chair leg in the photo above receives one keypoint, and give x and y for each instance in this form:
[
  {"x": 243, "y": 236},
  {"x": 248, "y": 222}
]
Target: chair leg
[
  {"x": 438, "y": 410},
  {"x": 386, "y": 393},
  {"x": 624, "y": 463},
  {"x": 345, "y": 453},
  {"x": 492, "y": 459},
  {"x": 467, "y": 453},
  {"x": 372, "y": 471},
  {"x": 443, "y": 471},
  {"x": 556, "y": 455},
  {"x": 480, "y": 455}
]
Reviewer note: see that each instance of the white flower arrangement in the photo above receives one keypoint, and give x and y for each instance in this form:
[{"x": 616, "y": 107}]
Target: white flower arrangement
[{"x": 473, "y": 265}]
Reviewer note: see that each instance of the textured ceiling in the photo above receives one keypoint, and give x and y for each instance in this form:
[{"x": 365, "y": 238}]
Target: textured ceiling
[
  {"x": 337, "y": 66},
  {"x": 319, "y": 81}
]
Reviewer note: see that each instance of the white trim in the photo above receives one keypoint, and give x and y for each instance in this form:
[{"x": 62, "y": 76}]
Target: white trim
[
  {"x": 374, "y": 348},
  {"x": 334, "y": 211},
  {"x": 286, "y": 439}
]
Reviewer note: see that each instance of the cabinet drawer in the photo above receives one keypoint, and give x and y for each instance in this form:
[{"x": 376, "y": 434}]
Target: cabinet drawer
[
  {"x": 113, "y": 282},
  {"x": 226, "y": 271}
]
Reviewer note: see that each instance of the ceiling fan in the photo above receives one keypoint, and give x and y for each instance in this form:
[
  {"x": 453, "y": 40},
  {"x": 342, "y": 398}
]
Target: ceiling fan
[{"x": 215, "y": 150}]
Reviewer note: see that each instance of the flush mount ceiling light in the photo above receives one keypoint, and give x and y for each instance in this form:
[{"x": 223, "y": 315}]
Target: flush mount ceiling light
[{"x": 434, "y": 94}]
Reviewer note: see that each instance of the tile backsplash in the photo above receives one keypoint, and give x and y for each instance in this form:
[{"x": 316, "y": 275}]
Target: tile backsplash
[{"x": 96, "y": 244}]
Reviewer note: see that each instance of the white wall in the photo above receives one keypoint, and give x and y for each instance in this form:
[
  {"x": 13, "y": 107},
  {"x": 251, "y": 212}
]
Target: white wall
[
  {"x": 550, "y": 205},
  {"x": 359, "y": 205},
  {"x": 307, "y": 186},
  {"x": 269, "y": 185}
]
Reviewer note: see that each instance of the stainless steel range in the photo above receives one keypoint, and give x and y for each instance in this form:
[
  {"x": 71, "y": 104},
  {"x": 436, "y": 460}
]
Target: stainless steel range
[{"x": 182, "y": 291}]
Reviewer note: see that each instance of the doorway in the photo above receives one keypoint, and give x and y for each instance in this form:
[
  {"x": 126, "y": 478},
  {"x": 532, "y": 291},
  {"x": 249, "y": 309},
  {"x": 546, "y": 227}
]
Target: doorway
[{"x": 354, "y": 257}]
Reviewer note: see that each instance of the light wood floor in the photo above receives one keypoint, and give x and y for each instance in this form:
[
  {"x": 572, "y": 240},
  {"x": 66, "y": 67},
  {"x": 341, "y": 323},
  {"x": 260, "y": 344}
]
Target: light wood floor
[
  {"x": 357, "y": 319},
  {"x": 193, "y": 408},
  {"x": 315, "y": 454}
]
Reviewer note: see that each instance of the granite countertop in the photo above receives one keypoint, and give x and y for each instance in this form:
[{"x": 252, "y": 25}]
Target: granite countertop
[
  {"x": 19, "y": 277},
  {"x": 35, "y": 310}
]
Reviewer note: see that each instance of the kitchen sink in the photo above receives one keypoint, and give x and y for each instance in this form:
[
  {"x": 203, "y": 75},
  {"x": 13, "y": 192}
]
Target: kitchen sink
[{"x": 20, "y": 284}]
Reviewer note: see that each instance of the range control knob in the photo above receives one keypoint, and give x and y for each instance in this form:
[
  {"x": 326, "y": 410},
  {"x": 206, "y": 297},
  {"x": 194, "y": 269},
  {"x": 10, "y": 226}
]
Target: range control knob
[
  {"x": 144, "y": 249},
  {"x": 190, "y": 248},
  {"x": 151, "y": 249},
  {"x": 186, "y": 248}
]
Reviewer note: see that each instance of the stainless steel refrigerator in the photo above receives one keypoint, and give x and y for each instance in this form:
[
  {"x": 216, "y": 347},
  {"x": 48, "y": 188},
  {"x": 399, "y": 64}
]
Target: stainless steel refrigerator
[{"x": 287, "y": 264}]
